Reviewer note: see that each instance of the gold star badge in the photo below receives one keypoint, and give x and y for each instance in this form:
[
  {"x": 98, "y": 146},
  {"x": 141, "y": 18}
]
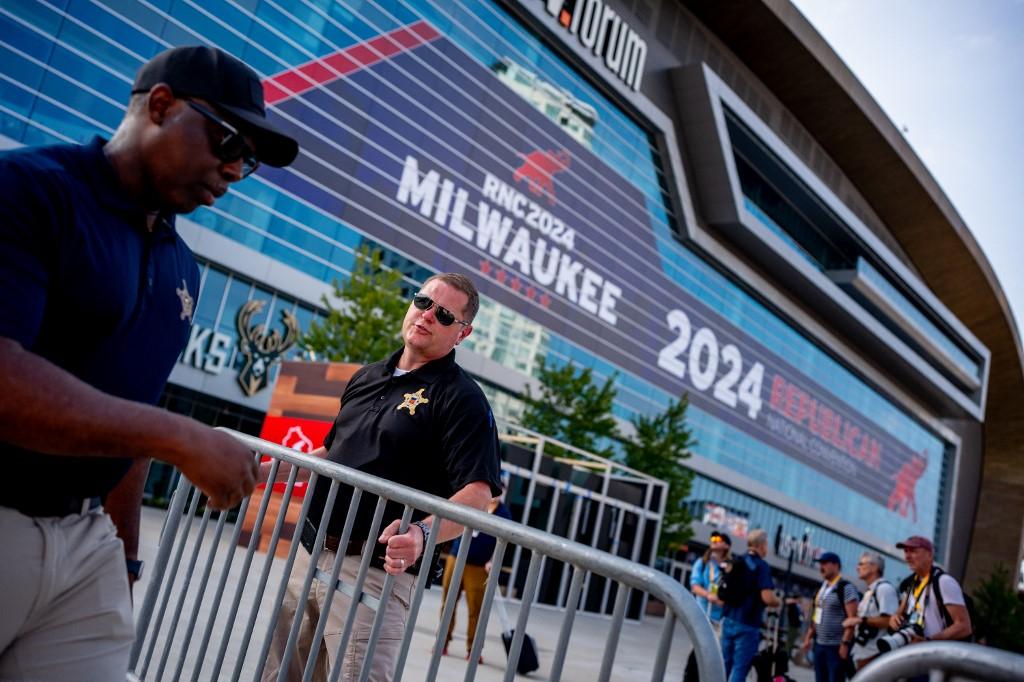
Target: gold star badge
[
  {"x": 412, "y": 400},
  {"x": 186, "y": 301}
]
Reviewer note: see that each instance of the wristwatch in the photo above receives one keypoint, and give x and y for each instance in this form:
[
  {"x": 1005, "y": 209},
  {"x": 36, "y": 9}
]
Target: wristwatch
[
  {"x": 425, "y": 530},
  {"x": 134, "y": 567}
]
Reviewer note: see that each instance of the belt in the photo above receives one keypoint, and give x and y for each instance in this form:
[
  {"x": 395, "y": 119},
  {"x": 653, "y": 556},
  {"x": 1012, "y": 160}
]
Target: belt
[
  {"x": 64, "y": 506},
  {"x": 354, "y": 547}
]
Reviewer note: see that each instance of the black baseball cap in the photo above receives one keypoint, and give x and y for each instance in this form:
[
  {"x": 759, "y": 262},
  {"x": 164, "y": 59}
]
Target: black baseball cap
[
  {"x": 215, "y": 76},
  {"x": 719, "y": 535}
]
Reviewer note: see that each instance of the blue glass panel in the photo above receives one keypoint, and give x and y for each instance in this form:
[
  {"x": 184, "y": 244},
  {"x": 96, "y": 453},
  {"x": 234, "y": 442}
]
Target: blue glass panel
[
  {"x": 918, "y": 318},
  {"x": 111, "y": 56},
  {"x": 209, "y": 298},
  {"x": 37, "y": 15},
  {"x": 112, "y": 26}
]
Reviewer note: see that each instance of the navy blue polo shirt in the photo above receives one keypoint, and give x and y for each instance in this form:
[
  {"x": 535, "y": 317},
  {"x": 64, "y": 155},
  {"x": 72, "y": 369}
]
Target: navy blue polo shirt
[
  {"x": 88, "y": 287},
  {"x": 431, "y": 429},
  {"x": 481, "y": 545}
]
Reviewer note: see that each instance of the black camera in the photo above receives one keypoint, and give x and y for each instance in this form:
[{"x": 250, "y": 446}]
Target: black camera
[
  {"x": 899, "y": 638},
  {"x": 865, "y": 633}
]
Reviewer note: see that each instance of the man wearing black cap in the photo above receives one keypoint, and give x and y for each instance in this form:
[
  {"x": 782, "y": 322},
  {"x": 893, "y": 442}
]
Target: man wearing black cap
[
  {"x": 99, "y": 292},
  {"x": 835, "y": 601}
]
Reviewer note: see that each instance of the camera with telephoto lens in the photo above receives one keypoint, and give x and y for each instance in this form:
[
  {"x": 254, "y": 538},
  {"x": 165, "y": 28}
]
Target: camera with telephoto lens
[
  {"x": 900, "y": 638},
  {"x": 865, "y": 633}
]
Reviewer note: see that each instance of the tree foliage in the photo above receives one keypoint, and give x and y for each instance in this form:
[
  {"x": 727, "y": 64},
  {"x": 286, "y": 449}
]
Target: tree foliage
[
  {"x": 572, "y": 408},
  {"x": 659, "y": 445},
  {"x": 999, "y": 612},
  {"x": 366, "y": 325}
]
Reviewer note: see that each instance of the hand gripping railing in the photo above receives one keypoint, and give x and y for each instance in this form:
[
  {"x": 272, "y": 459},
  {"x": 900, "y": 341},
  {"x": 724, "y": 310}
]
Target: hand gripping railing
[
  {"x": 942, "y": 660},
  {"x": 171, "y": 578}
]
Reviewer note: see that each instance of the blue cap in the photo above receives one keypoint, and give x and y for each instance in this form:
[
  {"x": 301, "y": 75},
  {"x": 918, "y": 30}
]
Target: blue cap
[{"x": 829, "y": 557}]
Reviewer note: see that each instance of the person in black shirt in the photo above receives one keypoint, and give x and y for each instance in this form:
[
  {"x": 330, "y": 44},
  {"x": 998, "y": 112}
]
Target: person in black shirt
[
  {"x": 417, "y": 419},
  {"x": 98, "y": 296}
]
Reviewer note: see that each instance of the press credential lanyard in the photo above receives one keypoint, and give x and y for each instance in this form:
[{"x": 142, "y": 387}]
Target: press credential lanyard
[
  {"x": 819, "y": 601},
  {"x": 917, "y": 616}
]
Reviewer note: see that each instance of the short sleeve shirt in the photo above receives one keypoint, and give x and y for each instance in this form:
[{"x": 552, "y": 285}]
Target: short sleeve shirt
[
  {"x": 87, "y": 286},
  {"x": 934, "y": 622},
  {"x": 829, "y": 632},
  {"x": 707, "y": 575},
  {"x": 430, "y": 429},
  {"x": 750, "y": 611},
  {"x": 881, "y": 598}
]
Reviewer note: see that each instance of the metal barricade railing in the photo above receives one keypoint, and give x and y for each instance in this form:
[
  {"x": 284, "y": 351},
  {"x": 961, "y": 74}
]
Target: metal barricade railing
[
  {"x": 165, "y": 646},
  {"x": 941, "y": 661}
]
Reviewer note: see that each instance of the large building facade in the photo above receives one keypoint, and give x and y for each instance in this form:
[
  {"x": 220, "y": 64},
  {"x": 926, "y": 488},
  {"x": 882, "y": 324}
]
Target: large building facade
[{"x": 693, "y": 198}]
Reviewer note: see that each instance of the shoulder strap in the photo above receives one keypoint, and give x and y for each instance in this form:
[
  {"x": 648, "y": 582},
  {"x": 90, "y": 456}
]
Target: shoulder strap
[
  {"x": 874, "y": 592},
  {"x": 841, "y": 590},
  {"x": 906, "y": 584},
  {"x": 937, "y": 574}
]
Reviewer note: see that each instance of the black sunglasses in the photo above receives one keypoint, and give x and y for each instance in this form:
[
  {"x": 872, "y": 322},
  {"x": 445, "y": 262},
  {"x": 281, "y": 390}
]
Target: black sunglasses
[
  {"x": 444, "y": 316},
  {"x": 233, "y": 145}
]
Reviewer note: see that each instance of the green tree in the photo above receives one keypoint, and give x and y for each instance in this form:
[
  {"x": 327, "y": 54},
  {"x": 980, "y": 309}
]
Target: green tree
[
  {"x": 658, "y": 447},
  {"x": 572, "y": 408},
  {"x": 999, "y": 612},
  {"x": 366, "y": 325}
]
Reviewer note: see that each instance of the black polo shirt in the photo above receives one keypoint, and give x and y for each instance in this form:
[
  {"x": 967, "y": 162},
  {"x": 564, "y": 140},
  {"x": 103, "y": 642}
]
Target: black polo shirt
[
  {"x": 431, "y": 429},
  {"x": 88, "y": 287}
]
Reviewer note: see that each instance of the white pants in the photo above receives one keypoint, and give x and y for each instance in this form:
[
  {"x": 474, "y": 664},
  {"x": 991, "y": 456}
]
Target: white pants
[
  {"x": 385, "y": 654},
  {"x": 65, "y": 610}
]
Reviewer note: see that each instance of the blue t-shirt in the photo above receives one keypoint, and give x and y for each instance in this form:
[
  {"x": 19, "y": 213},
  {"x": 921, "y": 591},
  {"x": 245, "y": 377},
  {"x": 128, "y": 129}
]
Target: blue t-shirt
[
  {"x": 749, "y": 612},
  {"x": 87, "y": 286},
  {"x": 706, "y": 575}
]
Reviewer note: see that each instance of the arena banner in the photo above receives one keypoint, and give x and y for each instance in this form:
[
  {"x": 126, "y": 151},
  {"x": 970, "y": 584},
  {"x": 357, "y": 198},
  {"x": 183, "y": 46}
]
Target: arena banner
[{"x": 422, "y": 148}]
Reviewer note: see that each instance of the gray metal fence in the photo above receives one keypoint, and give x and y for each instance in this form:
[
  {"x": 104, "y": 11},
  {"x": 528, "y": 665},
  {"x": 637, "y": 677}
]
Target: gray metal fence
[
  {"x": 194, "y": 623},
  {"x": 943, "y": 661},
  {"x": 580, "y": 496}
]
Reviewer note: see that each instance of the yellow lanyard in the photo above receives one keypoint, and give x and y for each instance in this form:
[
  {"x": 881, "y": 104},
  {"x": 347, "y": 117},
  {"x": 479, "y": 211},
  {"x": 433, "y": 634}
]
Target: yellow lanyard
[
  {"x": 823, "y": 591},
  {"x": 918, "y": 604}
]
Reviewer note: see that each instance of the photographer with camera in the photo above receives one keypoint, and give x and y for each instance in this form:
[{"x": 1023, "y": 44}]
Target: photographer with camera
[
  {"x": 879, "y": 603},
  {"x": 926, "y": 613},
  {"x": 835, "y": 601}
]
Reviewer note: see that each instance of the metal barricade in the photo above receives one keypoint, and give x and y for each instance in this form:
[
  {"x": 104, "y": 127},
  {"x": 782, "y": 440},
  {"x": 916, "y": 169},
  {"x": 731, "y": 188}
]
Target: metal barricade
[
  {"x": 177, "y": 603},
  {"x": 941, "y": 661}
]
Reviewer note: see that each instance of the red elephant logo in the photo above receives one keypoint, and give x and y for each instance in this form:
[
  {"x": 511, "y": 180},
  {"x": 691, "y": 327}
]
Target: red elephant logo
[
  {"x": 538, "y": 169},
  {"x": 903, "y": 496}
]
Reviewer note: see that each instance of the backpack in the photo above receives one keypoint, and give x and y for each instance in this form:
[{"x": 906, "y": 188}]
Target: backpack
[
  {"x": 947, "y": 618},
  {"x": 841, "y": 592},
  {"x": 736, "y": 584}
]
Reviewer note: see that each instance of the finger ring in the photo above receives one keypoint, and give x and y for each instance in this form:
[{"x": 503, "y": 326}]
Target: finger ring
[{"x": 402, "y": 563}]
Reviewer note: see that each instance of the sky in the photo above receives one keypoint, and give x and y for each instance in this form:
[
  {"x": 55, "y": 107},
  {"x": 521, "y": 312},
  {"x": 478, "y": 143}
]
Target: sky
[{"x": 950, "y": 74}]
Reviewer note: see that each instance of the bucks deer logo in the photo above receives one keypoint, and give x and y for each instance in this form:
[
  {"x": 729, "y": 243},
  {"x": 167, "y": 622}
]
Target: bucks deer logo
[{"x": 260, "y": 348}]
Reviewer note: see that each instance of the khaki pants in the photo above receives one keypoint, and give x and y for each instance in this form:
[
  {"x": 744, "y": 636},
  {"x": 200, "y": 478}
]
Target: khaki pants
[
  {"x": 65, "y": 611},
  {"x": 388, "y": 642},
  {"x": 474, "y": 580}
]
